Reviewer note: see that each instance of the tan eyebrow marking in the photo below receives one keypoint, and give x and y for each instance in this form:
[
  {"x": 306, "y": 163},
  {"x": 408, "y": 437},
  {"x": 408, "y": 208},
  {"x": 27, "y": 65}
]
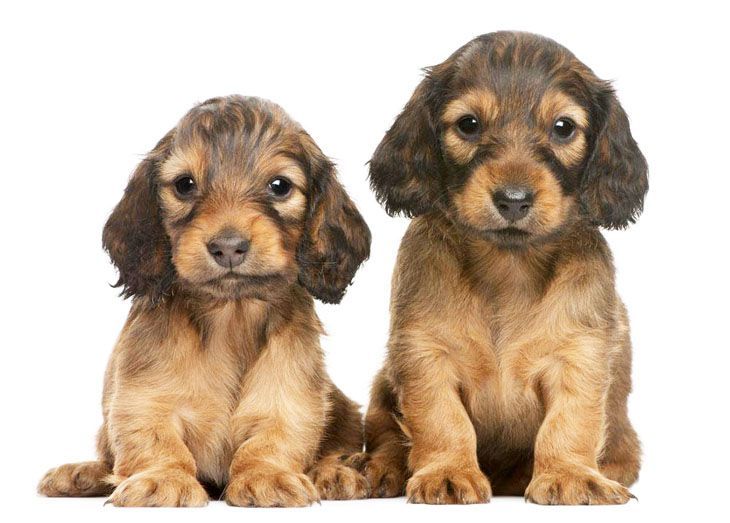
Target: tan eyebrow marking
[
  {"x": 480, "y": 102},
  {"x": 183, "y": 161},
  {"x": 555, "y": 104}
]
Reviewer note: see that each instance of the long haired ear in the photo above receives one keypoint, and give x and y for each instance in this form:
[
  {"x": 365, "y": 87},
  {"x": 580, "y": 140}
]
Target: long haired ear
[
  {"x": 405, "y": 168},
  {"x": 336, "y": 239},
  {"x": 134, "y": 235},
  {"x": 615, "y": 179}
]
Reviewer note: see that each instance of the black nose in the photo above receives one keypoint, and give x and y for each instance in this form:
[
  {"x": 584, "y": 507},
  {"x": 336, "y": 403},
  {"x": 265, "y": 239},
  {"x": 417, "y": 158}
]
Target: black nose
[
  {"x": 228, "y": 250},
  {"x": 513, "y": 202}
]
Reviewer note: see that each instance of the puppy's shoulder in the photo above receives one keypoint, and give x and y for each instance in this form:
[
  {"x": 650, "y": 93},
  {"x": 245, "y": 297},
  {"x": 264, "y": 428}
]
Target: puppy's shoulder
[
  {"x": 585, "y": 246},
  {"x": 429, "y": 268},
  {"x": 584, "y": 268},
  {"x": 429, "y": 240}
]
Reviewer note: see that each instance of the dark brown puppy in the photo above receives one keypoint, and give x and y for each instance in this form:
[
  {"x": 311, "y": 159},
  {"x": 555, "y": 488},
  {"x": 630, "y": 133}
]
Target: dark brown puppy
[
  {"x": 509, "y": 353},
  {"x": 224, "y": 231}
]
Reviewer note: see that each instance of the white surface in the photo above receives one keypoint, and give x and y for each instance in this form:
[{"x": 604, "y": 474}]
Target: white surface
[{"x": 88, "y": 89}]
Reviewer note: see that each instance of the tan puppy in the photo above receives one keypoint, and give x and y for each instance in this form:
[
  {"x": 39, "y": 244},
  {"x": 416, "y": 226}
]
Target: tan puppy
[
  {"x": 509, "y": 356},
  {"x": 224, "y": 231}
]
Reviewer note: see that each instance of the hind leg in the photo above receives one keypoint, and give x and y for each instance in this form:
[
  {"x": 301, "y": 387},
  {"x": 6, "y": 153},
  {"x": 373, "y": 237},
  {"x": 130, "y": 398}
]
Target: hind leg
[
  {"x": 335, "y": 479},
  {"x": 331, "y": 474},
  {"x": 385, "y": 462},
  {"x": 87, "y": 479}
]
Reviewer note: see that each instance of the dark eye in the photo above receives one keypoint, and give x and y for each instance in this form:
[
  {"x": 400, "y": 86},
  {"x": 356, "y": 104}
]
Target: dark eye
[
  {"x": 184, "y": 186},
  {"x": 468, "y": 125},
  {"x": 279, "y": 187},
  {"x": 564, "y": 128}
]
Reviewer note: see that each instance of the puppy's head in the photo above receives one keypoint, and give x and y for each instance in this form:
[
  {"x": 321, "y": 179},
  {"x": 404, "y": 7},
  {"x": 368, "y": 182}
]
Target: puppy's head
[
  {"x": 236, "y": 201},
  {"x": 513, "y": 138}
]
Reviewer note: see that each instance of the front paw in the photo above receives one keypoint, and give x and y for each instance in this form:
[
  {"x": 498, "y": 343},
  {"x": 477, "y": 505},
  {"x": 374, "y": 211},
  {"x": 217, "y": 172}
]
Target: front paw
[
  {"x": 271, "y": 488},
  {"x": 448, "y": 485},
  {"x": 159, "y": 488},
  {"x": 576, "y": 486}
]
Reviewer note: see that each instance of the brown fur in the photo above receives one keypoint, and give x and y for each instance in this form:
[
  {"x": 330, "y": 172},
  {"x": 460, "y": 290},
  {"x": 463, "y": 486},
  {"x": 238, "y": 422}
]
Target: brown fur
[
  {"x": 509, "y": 358},
  {"x": 218, "y": 378}
]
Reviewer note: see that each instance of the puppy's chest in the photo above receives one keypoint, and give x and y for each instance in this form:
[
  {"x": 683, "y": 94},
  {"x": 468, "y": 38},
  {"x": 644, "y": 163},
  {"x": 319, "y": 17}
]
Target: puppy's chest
[
  {"x": 212, "y": 378},
  {"x": 501, "y": 379},
  {"x": 209, "y": 390}
]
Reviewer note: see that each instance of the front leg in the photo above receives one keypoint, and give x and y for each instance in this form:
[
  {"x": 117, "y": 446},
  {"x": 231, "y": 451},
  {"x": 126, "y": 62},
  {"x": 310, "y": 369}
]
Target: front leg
[
  {"x": 153, "y": 467},
  {"x": 572, "y": 434},
  {"x": 279, "y": 423},
  {"x": 443, "y": 456}
]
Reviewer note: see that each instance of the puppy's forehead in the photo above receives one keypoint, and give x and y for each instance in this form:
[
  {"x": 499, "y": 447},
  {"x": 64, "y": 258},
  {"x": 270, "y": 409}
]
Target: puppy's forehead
[
  {"x": 513, "y": 66},
  {"x": 236, "y": 134},
  {"x": 232, "y": 114}
]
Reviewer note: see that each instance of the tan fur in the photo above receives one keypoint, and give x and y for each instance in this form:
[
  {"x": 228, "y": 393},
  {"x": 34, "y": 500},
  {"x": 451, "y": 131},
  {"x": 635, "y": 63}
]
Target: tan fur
[
  {"x": 218, "y": 380},
  {"x": 508, "y": 365},
  {"x": 483, "y": 351}
]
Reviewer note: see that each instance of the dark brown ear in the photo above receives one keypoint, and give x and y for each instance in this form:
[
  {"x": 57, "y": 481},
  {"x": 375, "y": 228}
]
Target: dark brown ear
[
  {"x": 336, "y": 239},
  {"x": 405, "y": 169},
  {"x": 134, "y": 235},
  {"x": 615, "y": 179}
]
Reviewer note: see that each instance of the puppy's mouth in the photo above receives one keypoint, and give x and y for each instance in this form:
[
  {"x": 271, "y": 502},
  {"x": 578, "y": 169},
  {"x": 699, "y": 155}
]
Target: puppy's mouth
[
  {"x": 234, "y": 286},
  {"x": 508, "y": 236},
  {"x": 235, "y": 278}
]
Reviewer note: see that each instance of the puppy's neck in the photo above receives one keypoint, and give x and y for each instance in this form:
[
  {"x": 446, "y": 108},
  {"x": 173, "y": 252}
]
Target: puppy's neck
[
  {"x": 501, "y": 270},
  {"x": 232, "y": 324},
  {"x": 525, "y": 272}
]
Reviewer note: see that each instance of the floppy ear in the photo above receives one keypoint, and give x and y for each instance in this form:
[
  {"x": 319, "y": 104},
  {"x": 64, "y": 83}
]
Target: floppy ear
[
  {"x": 134, "y": 235},
  {"x": 336, "y": 239},
  {"x": 615, "y": 179},
  {"x": 405, "y": 168}
]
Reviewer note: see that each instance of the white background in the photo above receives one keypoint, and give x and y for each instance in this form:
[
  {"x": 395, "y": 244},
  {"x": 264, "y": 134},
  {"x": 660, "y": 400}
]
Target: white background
[{"x": 86, "y": 90}]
